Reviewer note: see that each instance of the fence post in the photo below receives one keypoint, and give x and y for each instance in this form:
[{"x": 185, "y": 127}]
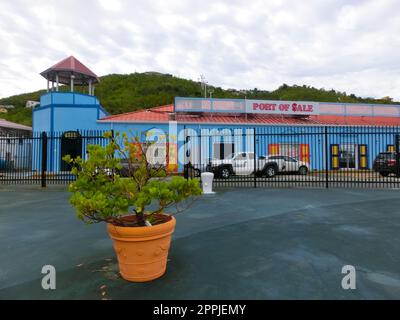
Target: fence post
[
  {"x": 255, "y": 158},
  {"x": 44, "y": 158},
  {"x": 397, "y": 148},
  {"x": 326, "y": 158}
]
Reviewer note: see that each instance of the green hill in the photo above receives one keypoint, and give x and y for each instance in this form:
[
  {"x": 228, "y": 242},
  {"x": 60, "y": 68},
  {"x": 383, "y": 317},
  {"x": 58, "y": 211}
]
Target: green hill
[{"x": 127, "y": 92}]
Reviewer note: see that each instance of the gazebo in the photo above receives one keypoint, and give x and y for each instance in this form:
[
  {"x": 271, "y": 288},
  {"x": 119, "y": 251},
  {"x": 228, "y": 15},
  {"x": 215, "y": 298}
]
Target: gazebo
[{"x": 70, "y": 71}]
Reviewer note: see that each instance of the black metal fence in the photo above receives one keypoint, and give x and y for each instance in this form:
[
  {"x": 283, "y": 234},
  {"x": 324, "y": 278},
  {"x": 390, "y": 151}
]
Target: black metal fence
[
  {"x": 37, "y": 158},
  {"x": 280, "y": 156},
  {"x": 329, "y": 156}
]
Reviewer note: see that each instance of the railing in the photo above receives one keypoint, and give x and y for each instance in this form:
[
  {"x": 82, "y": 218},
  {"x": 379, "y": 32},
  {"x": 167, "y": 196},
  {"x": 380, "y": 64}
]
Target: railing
[
  {"x": 67, "y": 98},
  {"x": 320, "y": 157}
]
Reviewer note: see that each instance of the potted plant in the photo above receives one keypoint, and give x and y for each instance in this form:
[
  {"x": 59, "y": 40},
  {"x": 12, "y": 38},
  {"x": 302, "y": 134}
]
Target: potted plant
[{"x": 134, "y": 206}]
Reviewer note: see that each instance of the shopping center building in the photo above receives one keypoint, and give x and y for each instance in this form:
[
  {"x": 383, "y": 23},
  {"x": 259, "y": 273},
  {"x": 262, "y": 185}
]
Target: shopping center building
[{"x": 197, "y": 129}]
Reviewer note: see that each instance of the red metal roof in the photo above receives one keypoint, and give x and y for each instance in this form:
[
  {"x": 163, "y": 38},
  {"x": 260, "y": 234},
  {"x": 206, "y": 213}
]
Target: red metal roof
[
  {"x": 161, "y": 114},
  {"x": 67, "y": 66},
  {"x": 157, "y": 114}
]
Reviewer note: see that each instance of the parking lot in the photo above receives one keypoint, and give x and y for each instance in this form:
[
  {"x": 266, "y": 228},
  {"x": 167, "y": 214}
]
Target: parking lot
[{"x": 236, "y": 244}]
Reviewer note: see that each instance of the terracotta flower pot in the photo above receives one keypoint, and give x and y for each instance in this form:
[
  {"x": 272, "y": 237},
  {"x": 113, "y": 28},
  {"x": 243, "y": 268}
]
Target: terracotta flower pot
[{"x": 142, "y": 252}]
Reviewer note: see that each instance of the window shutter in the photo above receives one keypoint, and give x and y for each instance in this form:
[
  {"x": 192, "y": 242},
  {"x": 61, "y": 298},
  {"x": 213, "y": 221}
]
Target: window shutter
[
  {"x": 334, "y": 156},
  {"x": 390, "y": 148},
  {"x": 305, "y": 153},
  {"x": 362, "y": 156}
]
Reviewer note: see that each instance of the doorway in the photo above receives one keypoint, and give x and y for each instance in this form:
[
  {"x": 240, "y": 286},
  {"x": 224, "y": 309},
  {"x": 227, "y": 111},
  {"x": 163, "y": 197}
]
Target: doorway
[{"x": 71, "y": 143}]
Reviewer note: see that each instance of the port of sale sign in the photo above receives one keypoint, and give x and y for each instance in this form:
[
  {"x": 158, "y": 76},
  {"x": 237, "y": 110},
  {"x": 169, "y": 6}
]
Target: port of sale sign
[{"x": 282, "y": 107}]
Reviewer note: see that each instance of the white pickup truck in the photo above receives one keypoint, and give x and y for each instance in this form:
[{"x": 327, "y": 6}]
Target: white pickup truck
[{"x": 243, "y": 164}]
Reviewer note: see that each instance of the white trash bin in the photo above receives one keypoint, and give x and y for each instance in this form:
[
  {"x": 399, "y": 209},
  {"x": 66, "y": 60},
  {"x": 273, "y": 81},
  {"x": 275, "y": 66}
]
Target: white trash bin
[{"x": 207, "y": 180}]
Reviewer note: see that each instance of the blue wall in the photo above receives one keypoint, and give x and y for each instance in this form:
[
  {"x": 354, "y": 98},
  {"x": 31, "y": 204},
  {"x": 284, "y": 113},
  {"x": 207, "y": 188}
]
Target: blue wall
[
  {"x": 75, "y": 118},
  {"x": 42, "y": 119}
]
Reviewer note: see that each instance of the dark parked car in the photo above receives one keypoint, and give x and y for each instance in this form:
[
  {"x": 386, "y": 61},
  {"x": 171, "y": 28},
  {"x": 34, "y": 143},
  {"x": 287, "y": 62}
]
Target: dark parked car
[
  {"x": 385, "y": 163},
  {"x": 124, "y": 171}
]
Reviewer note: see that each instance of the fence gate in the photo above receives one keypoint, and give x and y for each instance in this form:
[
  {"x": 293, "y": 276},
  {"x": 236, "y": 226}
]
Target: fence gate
[{"x": 297, "y": 156}]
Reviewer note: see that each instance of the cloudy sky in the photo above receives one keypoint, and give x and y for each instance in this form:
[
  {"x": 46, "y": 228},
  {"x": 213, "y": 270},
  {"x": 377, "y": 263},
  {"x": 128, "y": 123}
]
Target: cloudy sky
[{"x": 348, "y": 45}]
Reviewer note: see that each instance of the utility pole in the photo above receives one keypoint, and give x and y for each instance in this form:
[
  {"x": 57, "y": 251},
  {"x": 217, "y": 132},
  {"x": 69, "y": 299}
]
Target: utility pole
[
  {"x": 244, "y": 92},
  {"x": 203, "y": 82}
]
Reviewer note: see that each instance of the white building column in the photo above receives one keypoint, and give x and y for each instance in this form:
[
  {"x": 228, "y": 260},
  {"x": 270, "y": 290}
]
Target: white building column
[
  {"x": 48, "y": 85},
  {"x": 90, "y": 87},
  {"x": 72, "y": 82},
  {"x": 56, "y": 81}
]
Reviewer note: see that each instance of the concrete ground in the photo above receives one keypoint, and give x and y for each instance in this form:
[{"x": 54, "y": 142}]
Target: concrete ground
[{"x": 237, "y": 244}]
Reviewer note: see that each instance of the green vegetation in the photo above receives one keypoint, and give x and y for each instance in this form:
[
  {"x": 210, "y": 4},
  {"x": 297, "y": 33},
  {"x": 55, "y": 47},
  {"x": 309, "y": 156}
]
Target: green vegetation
[
  {"x": 128, "y": 92},
  {"x": 100, "y": 194},
  {"x": 18, "y": 115}
]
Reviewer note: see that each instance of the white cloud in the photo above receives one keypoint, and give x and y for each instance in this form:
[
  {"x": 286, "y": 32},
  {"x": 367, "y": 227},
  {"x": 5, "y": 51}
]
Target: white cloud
[
  {"x": 111, "y": 5},
  {"x": 348, "y": 45}
]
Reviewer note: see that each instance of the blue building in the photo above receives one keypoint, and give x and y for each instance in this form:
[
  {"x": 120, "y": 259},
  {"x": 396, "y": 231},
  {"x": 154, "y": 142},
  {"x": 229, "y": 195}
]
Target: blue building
[{"x": 326, "y": 135}]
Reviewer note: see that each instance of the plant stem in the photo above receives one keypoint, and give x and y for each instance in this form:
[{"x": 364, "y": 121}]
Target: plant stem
[{"x": 140, "y": 219}]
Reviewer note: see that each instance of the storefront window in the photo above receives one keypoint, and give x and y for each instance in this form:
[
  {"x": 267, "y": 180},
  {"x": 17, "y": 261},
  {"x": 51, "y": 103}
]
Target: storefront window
[{"x": 347, "y": 156}]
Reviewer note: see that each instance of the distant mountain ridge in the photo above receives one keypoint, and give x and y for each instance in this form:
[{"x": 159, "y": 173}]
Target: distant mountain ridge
[{"x": 120, "y": 93}]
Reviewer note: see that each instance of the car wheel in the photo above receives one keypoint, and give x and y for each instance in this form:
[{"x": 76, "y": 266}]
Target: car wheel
[
  {"x": 270, "y": 171},
  {"x": 384, "y": 174},
  {"x": 303, "y": 170},
  {"x": 224, "y": 173}
]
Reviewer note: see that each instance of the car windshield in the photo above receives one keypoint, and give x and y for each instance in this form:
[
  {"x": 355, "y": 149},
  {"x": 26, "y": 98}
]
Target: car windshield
[{"x": 240, "y": 156}]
